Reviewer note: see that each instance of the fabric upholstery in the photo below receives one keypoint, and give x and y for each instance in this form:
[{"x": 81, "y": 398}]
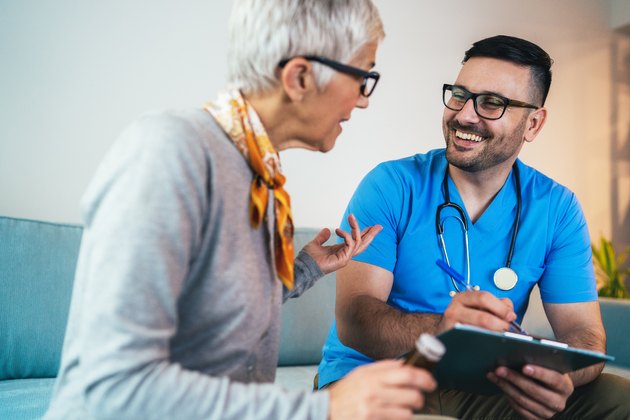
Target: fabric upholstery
[
  {"x": 38, "y": 261},
  {"x": 306, "y": 320},
  {"x": 616, "y": 317},
  {"x": 25, "y": 398}
]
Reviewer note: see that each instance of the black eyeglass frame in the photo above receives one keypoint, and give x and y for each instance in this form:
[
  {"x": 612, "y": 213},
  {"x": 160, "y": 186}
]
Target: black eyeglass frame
[
  {"x": 469, "y": 95},
  {"x": 343, "y": 68}
]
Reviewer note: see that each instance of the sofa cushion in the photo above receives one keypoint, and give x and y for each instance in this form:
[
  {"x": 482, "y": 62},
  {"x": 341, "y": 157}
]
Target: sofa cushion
[
  {"x": 25, "y": 398},
  {"x": 38, "y": 261},
  {"x": 296, "y": 377}
]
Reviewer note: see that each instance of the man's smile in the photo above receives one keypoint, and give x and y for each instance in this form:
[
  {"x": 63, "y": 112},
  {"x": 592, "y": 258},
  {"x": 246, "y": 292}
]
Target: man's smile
[{"x": 468, "y": 136}]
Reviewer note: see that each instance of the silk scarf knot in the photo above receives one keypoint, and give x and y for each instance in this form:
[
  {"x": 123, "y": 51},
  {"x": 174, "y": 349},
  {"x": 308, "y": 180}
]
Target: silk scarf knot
[{"x": 242, "y": 125}]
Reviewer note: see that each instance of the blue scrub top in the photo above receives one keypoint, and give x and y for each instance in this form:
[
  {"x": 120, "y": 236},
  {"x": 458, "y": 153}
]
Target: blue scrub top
[{"x": 552, "y": 247}]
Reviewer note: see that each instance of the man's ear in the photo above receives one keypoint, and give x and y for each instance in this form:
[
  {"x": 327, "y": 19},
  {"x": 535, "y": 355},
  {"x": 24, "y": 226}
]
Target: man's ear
[
  {"x": 535, "y": 123},
  {"x": 296, "y": 78}
]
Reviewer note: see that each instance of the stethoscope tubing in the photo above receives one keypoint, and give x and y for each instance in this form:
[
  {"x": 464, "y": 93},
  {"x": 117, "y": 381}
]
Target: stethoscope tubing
[{"x": 439, "y": 224}]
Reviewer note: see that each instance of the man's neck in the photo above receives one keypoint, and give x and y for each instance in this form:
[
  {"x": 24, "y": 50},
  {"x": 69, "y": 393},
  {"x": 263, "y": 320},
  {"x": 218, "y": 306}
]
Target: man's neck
[{"x": 478, "y": 189}]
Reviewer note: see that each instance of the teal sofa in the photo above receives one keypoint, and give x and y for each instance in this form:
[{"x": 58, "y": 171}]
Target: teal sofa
[{"x": 37, "y": 262}]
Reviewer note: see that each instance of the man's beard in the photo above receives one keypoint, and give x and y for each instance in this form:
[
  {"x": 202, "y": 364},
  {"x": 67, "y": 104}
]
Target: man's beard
[{"x": 494, "y": 152}]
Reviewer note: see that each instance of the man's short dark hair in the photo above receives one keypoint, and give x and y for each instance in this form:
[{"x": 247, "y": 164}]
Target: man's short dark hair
[{"x": 521, "y": 52}]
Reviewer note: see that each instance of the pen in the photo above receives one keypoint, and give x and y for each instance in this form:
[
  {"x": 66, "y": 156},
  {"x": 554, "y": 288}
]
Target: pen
[
  {"x": 449, "y": 270},
  {"x": 459, "y": 278}
]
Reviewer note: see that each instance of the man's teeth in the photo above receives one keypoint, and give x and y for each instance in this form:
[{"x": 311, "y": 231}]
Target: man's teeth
[{"x": 468, "y": 136}]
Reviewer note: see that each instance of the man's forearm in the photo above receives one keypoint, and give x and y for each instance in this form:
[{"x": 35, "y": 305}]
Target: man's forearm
[
  {"x": 585, "y": 339},
  {"x": 586, "y": 375},
  {"x": 379, "y": 331}
]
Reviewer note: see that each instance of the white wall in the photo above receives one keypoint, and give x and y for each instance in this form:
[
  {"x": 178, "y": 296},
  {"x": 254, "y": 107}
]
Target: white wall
[{"x": 74, "y": 73}]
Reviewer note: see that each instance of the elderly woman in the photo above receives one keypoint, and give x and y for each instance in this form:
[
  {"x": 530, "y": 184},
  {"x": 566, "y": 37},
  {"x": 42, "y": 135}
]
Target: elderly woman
[{"x": 187, "y": 251}]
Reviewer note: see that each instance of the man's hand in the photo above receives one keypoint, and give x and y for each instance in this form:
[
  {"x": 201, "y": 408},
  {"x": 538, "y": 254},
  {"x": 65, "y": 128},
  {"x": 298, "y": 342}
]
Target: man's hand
[
  {"x": 536, "y": 393},
  {"x": 481, "y": 309},
  {"x": 381, "y": 390},
  {"x": 333, "y": 257}
]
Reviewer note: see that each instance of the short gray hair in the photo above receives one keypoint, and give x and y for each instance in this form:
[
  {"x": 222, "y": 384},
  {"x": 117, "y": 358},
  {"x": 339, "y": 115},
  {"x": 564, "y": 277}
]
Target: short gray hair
[{"x": 264, "y": 32}]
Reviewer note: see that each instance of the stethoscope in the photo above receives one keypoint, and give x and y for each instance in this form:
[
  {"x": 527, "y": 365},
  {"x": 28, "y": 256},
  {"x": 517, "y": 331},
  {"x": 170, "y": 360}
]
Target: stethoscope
[{"x": 504, "y": 278}]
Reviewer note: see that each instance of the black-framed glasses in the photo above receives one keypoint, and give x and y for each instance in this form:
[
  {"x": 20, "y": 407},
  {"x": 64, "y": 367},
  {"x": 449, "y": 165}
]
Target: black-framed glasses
[
  {"x": 370, "y": 78},
  {"x": 490, "y": 106}
]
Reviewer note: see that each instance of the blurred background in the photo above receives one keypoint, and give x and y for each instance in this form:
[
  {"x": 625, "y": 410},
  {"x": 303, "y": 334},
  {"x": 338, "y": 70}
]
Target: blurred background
[{"x": 74, "y": 73}]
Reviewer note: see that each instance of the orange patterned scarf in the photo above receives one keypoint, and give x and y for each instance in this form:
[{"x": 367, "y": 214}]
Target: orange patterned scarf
[{"x": 241, "y": 123}]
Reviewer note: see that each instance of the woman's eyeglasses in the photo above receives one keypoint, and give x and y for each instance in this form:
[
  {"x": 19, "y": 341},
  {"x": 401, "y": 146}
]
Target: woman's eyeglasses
[{"x": 370, "y": 78}]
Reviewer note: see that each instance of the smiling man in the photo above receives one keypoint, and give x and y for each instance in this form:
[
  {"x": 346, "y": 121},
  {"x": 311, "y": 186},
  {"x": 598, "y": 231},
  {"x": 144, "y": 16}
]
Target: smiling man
[{"x": 505, "y": 226}]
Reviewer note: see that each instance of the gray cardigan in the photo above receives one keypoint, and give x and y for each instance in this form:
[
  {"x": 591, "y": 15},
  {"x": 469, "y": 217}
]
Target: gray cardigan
[{"x": 176, "y": 306}]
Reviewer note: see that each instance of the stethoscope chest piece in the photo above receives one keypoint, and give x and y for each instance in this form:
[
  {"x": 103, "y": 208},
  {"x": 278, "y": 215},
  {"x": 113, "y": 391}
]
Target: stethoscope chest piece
[{"x": 505, "y": 278}]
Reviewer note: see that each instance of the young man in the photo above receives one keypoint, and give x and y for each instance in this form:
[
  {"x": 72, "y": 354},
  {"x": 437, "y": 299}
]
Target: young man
[
  {"x": 187, "y": 251},
  {"x": 505, "y": 226}
]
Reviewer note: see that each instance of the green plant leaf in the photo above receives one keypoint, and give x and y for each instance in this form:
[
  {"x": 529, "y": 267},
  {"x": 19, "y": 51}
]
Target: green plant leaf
[{"x": 608, "y": 267}]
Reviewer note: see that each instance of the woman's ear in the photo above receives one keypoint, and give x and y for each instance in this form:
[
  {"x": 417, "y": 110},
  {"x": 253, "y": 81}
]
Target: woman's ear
[
  {"x": 535, "y": 123},
  {"x": 296, "y": 78}
]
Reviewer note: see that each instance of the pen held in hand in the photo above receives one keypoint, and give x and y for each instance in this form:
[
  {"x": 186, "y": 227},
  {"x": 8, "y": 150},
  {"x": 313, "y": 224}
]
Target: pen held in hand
[
  {"x": 459, "y": 278},
  {"x": 454, "y": 274}
]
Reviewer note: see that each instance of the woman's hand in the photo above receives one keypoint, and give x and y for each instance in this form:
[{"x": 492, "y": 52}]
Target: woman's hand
[
  {"x": 382, "y": 390},
  {"x": 333, "y": 257}
]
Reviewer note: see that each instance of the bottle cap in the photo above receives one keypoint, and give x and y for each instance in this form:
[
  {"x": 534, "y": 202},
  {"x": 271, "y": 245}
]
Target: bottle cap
[{"x": 430, "y": 347}]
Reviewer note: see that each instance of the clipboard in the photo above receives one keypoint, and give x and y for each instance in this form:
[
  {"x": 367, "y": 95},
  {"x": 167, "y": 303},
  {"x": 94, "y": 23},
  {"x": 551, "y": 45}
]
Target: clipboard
[{"x": 471, "y": 352}]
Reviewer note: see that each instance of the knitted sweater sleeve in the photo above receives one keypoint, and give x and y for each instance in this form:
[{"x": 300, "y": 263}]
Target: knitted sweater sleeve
[{"x": 142, "y": 222}]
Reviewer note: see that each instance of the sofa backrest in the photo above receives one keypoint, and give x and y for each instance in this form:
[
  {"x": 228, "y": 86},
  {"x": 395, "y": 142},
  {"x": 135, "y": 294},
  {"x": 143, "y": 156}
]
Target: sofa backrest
[
  {"x": 616, "y": 317},
  {"x": 37, "y": 263},
  {"x": 307, "y": 319}
]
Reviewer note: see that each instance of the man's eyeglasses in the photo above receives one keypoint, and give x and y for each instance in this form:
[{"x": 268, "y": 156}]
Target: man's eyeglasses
[
  {"x": 490, "y": 106},
  {"x": 370, "y": 78}
]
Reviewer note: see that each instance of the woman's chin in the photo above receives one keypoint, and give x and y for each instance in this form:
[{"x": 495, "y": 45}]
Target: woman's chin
[{"x": 323, "y": 145}]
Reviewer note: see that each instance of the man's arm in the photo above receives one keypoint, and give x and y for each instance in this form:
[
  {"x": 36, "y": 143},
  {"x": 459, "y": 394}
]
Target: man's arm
[
  {"x": 579, "y": 325},
  {"x": 366, "y": 322}
]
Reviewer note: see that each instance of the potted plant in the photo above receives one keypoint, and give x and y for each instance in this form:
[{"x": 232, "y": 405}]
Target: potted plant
[
  {"x": 614, "y": 299},
  {"x": 608, "y": 270}
]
